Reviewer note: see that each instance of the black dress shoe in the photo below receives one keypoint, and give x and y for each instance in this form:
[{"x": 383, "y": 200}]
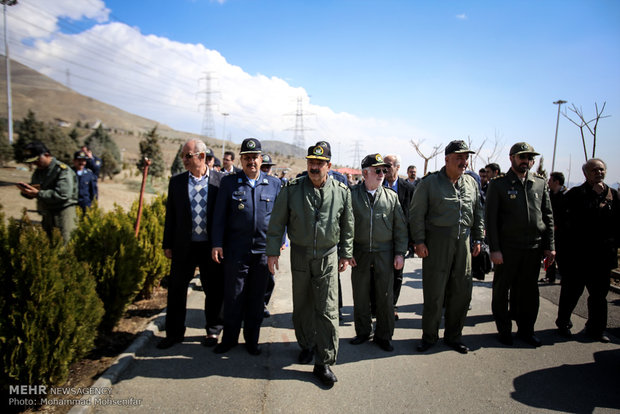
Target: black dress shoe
[
  {"x": 396, "y": 317},
  {"x": 601, "y": 337},
  {"x": 530, "y": 339},
  {"x": 506, "y": 338},
  {"x": 253, "y": 349},
  {"x": 324, "y": 374},
  {"x": 424, "y": 346},
  {"x": 565, "y": 332},
  {"x": 384, "y": 344},
  {"x": 305, "y": 356},
  {"x": 359, "y": 339},
  {"x": 168, "y": 342},
  {"x": 266, "y": 313},
  {"x": 210, "y": 341},
  {"x": 224, "y": 347},
  {"x": 459, "y": 347}
]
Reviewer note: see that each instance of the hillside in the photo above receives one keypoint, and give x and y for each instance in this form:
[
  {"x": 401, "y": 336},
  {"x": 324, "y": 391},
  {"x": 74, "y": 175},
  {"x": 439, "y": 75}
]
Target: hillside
[{"x": 50, "y": 100}]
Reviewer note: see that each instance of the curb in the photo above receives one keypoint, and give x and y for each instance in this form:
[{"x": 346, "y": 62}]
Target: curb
[{"x": 111, "y": 375}]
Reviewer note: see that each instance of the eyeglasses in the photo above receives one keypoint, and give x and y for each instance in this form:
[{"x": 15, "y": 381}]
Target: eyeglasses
[
  {"x": 528, "y": 157},
  {"x": 381, "y": 170},
  {"x": 190, "y": 155}
]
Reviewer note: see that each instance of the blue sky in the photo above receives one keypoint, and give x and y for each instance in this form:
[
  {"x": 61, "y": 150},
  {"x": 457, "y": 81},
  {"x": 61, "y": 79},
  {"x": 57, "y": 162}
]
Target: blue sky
[{"x": 377, "y": 72}]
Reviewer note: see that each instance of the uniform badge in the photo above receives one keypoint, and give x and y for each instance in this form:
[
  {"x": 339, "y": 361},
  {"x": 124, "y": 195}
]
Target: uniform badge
[
  {"x": 265, "y": 181},
  {"x": 318, "y": 150},
  {"x": 512, "y": 194},
  {"x": 239, "y": 180},
  {"x": 251, "y": 144},
  {"x": 241, "y": 206}
]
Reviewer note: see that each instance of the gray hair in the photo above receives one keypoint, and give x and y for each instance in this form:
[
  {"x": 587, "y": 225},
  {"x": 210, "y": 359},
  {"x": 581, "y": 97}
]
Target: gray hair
[
  {"x": 199, "y": 144},
  {"x": 584, "y": 167},
  {"x": 396, "y": 159}
]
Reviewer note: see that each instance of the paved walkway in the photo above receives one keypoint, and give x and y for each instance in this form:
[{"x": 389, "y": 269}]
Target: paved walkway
[{"x": 575, "y": 376}]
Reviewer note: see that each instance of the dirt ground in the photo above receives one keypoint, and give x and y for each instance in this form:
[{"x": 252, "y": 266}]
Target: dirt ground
[{"x": 123, "y": 191}]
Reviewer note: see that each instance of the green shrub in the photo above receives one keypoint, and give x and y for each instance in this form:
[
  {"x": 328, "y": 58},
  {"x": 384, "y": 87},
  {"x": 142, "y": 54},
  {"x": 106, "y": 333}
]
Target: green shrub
[
  {"x": 150, "y": 238},
  {"x": 107, "y": 242},
  {"x": 49, "y": 309}
]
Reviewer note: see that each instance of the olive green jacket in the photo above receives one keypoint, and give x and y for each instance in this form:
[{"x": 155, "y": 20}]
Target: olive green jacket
[
  {"x": 58, "y": 187},
  {"x": 316, "y": 219},
  {"x": 519, "y": 215},
  {"x": 439, "y": 205},
  {"x": 381, "y": 226}
]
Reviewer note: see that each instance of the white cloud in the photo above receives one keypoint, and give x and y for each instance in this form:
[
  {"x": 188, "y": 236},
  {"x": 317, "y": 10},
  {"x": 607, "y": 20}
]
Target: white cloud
[{"x": 461, "y": 16}]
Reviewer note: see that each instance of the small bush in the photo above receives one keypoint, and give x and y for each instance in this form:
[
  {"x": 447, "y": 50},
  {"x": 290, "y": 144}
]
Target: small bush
[
  {"x": 49, "y": 309},
  {"x": 107, "y": 242}
]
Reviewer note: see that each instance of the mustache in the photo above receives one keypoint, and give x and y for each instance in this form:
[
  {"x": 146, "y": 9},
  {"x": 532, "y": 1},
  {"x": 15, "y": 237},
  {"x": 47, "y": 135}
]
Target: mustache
[{"x": 314, "y": 171}]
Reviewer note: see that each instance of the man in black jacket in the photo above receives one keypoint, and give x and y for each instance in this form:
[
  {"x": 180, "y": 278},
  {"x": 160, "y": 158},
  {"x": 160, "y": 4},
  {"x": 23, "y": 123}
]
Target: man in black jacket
[
  {"x": 187, "y": 241},
  {"x": 590, "y": 228}
]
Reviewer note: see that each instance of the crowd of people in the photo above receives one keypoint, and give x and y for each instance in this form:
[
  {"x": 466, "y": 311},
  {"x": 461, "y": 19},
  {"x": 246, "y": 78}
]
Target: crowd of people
[{"x": 234, "y": 225}]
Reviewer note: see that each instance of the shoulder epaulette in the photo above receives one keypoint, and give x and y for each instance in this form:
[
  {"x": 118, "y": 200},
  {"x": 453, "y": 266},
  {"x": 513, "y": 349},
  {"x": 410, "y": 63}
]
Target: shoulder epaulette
[
  {"x": 428, "y": 174},
  {"x": 498, "y": 176},
  {"x": 539, "y": 176},
  {"x": 343, "y": 185},
  {"x": 294, "y": 181},
  {"x": 62, "y": 165}
]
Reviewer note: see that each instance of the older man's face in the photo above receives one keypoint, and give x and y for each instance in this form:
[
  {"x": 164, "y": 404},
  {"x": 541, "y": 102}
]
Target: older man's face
[
  {"x": 192, "y": 161},
  {"x": 392, "y": 170},
  {"x": 595, "y": 172}
]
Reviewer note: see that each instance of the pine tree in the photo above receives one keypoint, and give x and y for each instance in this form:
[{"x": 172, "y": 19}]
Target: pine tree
[
  {"x": 150, "y": 148},
  {"x": 177, "y": 164},
  {"x": 28, "y": 129},
  {"x": 104, "y": 147}
]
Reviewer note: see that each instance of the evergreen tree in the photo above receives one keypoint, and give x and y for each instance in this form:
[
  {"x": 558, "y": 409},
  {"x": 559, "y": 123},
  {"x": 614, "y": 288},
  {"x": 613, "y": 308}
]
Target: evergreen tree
[
  {"x": 6, "y": 150},
  {"x": 541, "y": 169},
  {"x": 150, "y": 148},
  {"x": 28, "y": 129},
  {"x": 104, "y": 147},
  {"x": 177, "y": 164},
  {"x": 74, "y": 135}
]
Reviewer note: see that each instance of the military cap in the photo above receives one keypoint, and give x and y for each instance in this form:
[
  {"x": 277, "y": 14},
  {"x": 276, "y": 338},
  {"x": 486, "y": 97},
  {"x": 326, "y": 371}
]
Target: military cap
[
  {"x": 374, "y": 160},
  {"x": 458, "y": 147},
  {"x": 209, "y": 153},
  {"x": 217, "y": 162},
  {"x": 320, "y": 151},
  {"x": 267, "y": 160},
  {"x": 250, "y": 146},
  {"x": 80, "y": 155},
  {"x": 522, "y": 148},
  {"x": 33, "y": 150}
]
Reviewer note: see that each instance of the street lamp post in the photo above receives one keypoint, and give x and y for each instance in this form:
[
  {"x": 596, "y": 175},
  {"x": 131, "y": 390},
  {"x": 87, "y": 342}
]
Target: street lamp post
[
  {"x": 559, "y": 103},
  {"x": 224, "y": 114},
  {"x": 8, "y": 71}
]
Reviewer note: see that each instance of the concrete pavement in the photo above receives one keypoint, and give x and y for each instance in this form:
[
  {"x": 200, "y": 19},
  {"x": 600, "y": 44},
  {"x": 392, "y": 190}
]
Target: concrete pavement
[{"x": 576, "y": 376}]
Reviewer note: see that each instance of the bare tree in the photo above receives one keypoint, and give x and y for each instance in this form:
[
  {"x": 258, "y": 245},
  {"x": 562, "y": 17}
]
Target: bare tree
[
  {"x": 586, "y": 124},
  {"x": 436, "y": 150},
  {"x": 477, "y": 154},
  {"x": 498, "y": 147}
]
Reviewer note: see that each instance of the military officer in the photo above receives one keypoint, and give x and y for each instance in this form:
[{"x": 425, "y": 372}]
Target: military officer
[
  {"x": 242, "y": 211},
  {"x": 444, "y": 214},
  {"x": 87, "y": 180},
  {"x": 54, "y": 186},
  {"x": 379, "y": 246},
  {"x": 92, "y": 163},
  {"x": 316, "y": 211},
  {"x": 519, "y": 224}
]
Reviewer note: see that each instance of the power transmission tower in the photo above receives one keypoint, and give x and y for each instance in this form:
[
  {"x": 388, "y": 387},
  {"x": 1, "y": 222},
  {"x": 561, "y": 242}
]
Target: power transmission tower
[
  {"x": 357, "y": 154},
  {"x": 208, "y": 124},
  {"x": 299, "y": 129}
]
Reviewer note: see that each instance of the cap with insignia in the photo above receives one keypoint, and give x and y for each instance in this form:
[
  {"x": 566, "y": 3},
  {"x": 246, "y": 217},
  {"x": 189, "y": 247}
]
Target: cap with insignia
[
  {"x": 250, "y": 146},
  {"x": 80, "y": 155},
  {"x": 374, "y": 160},
  {"x": 320, "y": 151},
  {"x": 522, "y": 148},
  {"x": 267, "y": 160},
  {"x": 209, "y": 153},
  {"x": 33, "y": 150},
  {"x": 458, "y": 147}
]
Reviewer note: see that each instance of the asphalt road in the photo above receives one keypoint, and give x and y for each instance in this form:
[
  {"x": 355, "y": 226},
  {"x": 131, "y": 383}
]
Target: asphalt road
[{"x": 577, "y": 376}]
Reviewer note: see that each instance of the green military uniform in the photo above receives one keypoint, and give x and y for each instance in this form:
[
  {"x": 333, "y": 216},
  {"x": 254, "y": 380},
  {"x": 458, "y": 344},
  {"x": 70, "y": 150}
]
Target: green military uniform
[
  {"x": 519, "y": 223},
  {"x": 380, "y": 234},
  {"x": 57, "y": 197},
  {"x": 442, "y": 215},
  {"x": 319, "y": 222}
]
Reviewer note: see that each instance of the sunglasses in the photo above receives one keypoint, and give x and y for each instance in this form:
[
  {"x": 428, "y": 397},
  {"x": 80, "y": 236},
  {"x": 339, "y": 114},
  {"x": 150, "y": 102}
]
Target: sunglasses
[
  {"x": 528, "y": 157},
  {"x": 190, "y": 155},
  {"x": 381, "y": 170}
]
